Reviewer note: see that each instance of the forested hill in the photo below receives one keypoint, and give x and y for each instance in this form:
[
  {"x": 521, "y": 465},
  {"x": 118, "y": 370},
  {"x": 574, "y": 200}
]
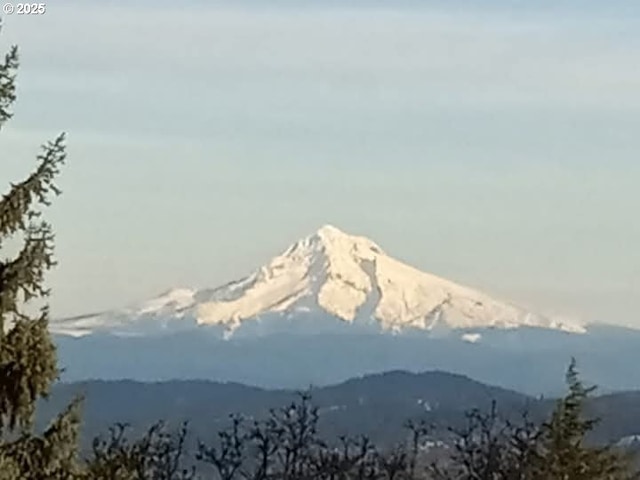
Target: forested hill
[{"x": 375, "y": 405}]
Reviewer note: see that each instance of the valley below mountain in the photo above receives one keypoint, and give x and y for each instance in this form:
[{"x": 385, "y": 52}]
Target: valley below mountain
[{"x": 527, "y": 360}]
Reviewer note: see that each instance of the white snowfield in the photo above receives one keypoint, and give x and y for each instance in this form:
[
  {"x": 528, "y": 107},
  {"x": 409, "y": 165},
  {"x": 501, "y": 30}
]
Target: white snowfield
[{"x": 348, "y": 277}]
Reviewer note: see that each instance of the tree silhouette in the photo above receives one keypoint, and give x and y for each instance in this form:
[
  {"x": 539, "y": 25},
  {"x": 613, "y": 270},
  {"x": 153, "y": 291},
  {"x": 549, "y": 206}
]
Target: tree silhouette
[{"x": 28, "y": 363}]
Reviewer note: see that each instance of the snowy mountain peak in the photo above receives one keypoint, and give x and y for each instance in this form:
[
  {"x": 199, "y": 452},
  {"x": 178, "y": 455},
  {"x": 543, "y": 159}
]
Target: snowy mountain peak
[
  {"x": 334, "y": 236},
  {"x": 331, "y": 240},
  {"x": 330, "y": 231},
  {"x": 334, "y": 274}
]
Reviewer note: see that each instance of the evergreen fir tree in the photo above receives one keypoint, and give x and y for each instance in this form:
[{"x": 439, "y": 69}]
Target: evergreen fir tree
[
  {"x": 28, "y": 364},
  {"x": 565, "y": 453}
]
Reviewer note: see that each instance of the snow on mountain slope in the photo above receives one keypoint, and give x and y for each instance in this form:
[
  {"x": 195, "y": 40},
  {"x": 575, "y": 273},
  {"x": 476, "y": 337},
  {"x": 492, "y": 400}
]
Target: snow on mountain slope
[
  {"x": 331, "y": 272},
  {"x": 167, "y": 311}
]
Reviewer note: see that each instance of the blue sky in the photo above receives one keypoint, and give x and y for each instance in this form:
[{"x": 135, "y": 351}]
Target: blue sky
[{"x": 496, "y": 146}]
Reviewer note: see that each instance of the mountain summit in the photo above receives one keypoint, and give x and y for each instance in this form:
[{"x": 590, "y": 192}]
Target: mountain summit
[{"x": 329, "y": 273}]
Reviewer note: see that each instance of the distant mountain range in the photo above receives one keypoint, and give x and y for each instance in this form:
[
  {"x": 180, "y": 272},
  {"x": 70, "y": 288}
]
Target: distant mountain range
[
  {"x": 374, "y": 405},
  {"x": 333, "y": 306}
]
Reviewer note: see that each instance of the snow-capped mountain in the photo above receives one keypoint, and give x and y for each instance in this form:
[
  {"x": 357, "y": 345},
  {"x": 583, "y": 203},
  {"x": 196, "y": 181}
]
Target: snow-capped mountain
[{"x": 327, "y": 275}]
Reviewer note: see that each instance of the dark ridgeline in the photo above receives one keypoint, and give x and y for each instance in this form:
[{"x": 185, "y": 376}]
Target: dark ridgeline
[{"x": 375, "y": 405}]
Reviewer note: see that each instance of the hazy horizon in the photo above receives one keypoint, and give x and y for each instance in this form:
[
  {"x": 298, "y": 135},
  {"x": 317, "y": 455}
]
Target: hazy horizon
[{"x": 493, "y": 146}]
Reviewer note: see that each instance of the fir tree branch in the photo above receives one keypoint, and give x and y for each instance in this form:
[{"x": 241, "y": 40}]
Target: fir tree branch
[
  {"x": 17, "y": 210},
  {"x": 7, "y": 84},
  {"x": 22, "y": 279}
]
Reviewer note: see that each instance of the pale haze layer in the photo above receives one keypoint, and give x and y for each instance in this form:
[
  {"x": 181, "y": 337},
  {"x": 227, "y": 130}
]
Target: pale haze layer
[{"x": 497, "y": 147}]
